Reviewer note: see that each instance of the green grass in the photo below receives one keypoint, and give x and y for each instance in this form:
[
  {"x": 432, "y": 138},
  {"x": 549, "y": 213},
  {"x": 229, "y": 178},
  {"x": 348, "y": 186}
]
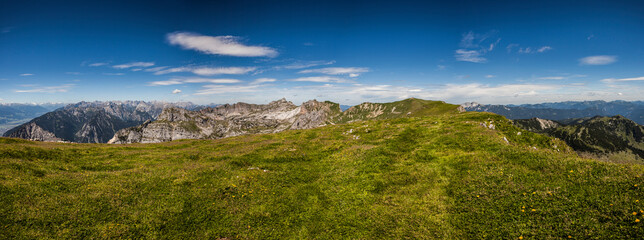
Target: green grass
[{"x": 442, "y": 176}]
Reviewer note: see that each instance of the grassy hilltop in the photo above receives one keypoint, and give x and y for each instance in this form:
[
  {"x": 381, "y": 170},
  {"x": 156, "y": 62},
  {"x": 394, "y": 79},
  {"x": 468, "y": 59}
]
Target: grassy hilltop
[{"x": 441, "y": 174}]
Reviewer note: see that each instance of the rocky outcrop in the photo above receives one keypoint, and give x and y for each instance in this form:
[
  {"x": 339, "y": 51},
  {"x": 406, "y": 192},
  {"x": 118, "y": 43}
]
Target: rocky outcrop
[
  {"x": 537, "y": 125},
  {"x": 229, "y": 120},
  {"x": 243, "y": 118},
  {"x": 32, "y": 131}
]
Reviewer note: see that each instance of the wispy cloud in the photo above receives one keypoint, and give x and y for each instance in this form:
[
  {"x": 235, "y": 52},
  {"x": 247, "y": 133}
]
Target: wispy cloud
[
  {"x": 133, "y": 64},
  {"x": 263, "y": 80},
  {"x": 544, "y": 48},
  {"x": 598, "y": 60},
  {"x": 441, "y": 67},
  {"x": 469, "y": 56},
  {"x": 223, "y": 89},
  {"x": 475, "y": 46},
  {"x": 176, "y": 91},
  {"x": 26, "y": 74},
  {"x": 320, "y": 79},
  {"x": 529, "y": 50},
  {"x": 114, "y": 74},
  {"x": 219, "y": 45},
  {"x": 489, "y": 76},
  {"x": 98, "y": 64},
  {"x": 155, "y": 69},
  {"x": 611, "y": 80},
  {"x": 208, "y": 71},
  {"x": 304, "y": 64},
  {"x": 46, "y": 89},
  {"x": 176, "y": 81},
  {"x": 351, "y": 71},
  {"x": 553, "y": 78}
]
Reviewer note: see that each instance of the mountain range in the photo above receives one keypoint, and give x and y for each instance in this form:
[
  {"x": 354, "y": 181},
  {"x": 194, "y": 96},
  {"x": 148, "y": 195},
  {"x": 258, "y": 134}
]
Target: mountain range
[
  {"x": 562, "y": 111},
  {"x": 596, "y": 135},
  {"x": 243, "y": 118},
  {"x": 14, "y": 114},
  {"x": 90, "y": 122}
]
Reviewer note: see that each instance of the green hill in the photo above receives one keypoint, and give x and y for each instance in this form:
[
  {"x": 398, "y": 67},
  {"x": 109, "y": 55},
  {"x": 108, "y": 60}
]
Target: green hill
[{"x": 442, "y": 174}]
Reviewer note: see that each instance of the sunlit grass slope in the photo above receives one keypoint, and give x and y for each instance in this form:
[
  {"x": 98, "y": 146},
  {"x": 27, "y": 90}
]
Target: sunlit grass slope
[{"x": 437, "y": 176}]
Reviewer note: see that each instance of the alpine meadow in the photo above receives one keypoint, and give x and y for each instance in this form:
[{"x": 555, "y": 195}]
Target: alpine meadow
[{"x": 321, "y": 119}]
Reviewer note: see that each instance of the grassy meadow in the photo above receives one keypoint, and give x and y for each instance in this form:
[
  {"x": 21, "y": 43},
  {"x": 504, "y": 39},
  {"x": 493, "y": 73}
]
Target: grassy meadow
[{"x": 443, "y": 176}]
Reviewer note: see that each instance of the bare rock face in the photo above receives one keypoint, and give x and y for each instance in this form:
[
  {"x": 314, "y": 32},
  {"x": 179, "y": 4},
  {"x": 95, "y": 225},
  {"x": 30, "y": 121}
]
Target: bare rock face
[
  {"x": 229, "y": 120},
  {"x": 242, "y": 118},
  {"x": 537, "y": 125},
  {"x": 32, "y": 131}
]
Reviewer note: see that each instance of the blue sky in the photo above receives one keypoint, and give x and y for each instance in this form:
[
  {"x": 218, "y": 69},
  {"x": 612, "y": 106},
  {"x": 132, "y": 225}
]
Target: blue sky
[{"x": 378, "y": 51}]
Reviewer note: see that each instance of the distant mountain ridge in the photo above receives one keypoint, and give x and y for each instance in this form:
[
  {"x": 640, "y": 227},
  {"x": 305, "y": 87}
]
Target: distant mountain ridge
[
  {"x": 564, "y": 110},
  {"x": 601, "y": 135},
  {"x": 14, "y": 114},
  {"x": 243, "y": 118},
  {"x": 90, "y": 122}
]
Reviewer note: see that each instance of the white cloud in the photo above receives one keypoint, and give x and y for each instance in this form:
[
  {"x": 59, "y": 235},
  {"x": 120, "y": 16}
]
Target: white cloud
[
  {"x": 474, "y": 47},
  {"x": 610, "y": 80},
  {"x": 553, "y": 78},
  {"x": 263, "y": 80},
  {"x": 351, "y": 71},
  {"x": 304, "y": 64},
  {"x": 97, "y": 64},
  {"x": 469, "y": 56},
  {"x": 544, "y": 48},
  {"x": 154, "y": 69},
  {"x": 320, "y": 79},
  {"x": 598, "y": 60},
  {"x": 114, "y": 74},
  {"x": 26, "y": 74},
  {"x": 208, "y": 71},
  {"x": 489, "y": 76},
  {"x": 45, "y": 89},
  {"x": 441, "y": 67},
  {"x": 176, "y": 81},
  {"x": 133, "y": 64},
  {"x": 219, "y": 45},
  {"x": 176, "y": 91},
  {"x": 224, "y": 89},
  {"x": 528, "y": 50}
]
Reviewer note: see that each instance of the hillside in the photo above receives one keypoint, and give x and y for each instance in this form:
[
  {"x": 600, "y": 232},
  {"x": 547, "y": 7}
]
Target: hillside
[
  {"x": 601, "y": 136},
  {"x": 243, "y": 118},
  {"x": 438, "y": 176}
]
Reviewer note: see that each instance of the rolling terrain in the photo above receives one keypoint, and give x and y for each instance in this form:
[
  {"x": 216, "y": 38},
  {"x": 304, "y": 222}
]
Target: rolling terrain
[
  {"x": 435, "y": 173},
  {"x": 561, "y": 111},
  {"x": 602, "y": 136}
]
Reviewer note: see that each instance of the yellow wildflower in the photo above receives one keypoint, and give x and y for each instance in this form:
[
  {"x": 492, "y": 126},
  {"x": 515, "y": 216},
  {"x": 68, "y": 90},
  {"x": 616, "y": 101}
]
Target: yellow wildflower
[
  {"x": 520, "y": 237},
  {"x": 637, "y": 220},
  {"x": 534, "y": 210},
  {"x": 634, "y": 213}
]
